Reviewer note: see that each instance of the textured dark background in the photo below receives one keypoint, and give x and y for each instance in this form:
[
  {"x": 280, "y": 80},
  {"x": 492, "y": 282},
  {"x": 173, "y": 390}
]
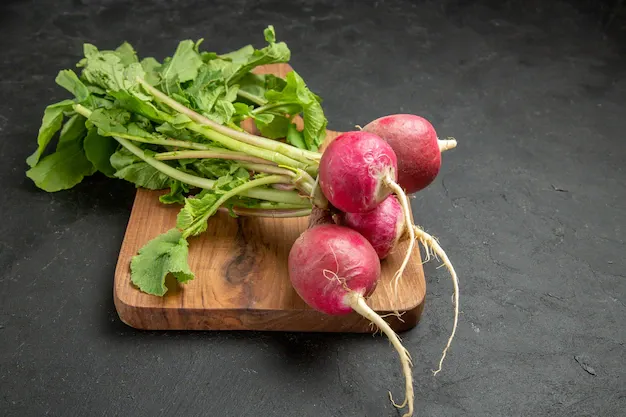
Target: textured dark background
[{"x": 531, "y": 207}]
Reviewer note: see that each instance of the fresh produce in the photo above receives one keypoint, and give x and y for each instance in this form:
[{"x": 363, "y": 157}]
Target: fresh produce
[
  {"x": 335, "y": 269},
  {"x": 176, "y": 125},
  {"x": 415, "y": 142},
  {"x": 384, "y": 227},
  {"x": 358, "y": 171}
]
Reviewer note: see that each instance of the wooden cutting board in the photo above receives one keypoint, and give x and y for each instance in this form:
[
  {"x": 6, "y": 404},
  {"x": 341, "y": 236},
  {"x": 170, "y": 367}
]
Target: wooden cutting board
[{"x": 242, "y": 282}]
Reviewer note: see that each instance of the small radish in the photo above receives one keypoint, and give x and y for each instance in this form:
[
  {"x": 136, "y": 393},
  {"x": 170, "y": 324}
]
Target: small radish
[
  {"x": 334, "y": 270},
  {"x": 355, "y": 171},
  {"x": 415, "y": 142},
  {"x": 384, "y": 227},
  {"x": 358, "y": 170}
]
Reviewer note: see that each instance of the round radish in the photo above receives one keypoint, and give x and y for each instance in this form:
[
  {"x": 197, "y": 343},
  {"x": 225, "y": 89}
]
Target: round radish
[
  {"x": 358, "y": 170},
  {"x": 355, "y": 170},
  {"x": 415, "y": 142},
  {"x": 334, "y": 269},
  {"x": 328, "y": 262},
  {"x": 382, "y": 227}
]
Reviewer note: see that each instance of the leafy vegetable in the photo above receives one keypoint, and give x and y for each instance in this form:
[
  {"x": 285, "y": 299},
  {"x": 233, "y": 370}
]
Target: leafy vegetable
[
  {"x": 69, "y": 80},
  {"x": 273, "y": 53},
  {"x": 192, "y": 218},
  {"x": 106, "y": 69},
  {"x": 126, "y": 53},
  {"x": 275, "y": 128},
  {"x": 295, "y": 137},
  {"x": 239, "y": 56},
  {"x": 182, "y": 67},
  {"x": 50, "y": 124},
  {"x": 297, "y": 93},
  {"x": 152, "y": 69},
  {"x": 217, "y": 168},
  {"x": 176, "y": 194},
  {"x": 98, "y": 150},
  {"x": 73, "y": 130},
  {"x": 63, "y": 169},
  {"x": 165, "y": 254},
  {"x": 175, "y": 125},
  {"x": 132, "y": 169}
]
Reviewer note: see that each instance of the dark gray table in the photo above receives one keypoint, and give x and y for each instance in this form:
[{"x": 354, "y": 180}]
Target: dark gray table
[{"x": 531, "y": 207}]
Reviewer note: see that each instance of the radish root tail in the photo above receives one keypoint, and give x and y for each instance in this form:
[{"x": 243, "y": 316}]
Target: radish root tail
[
  {"x": 358, "y": 304},
  {"x": 430, "y": 243},
  {"x": 396, "y": 404},
  {"x": 446, "y": 144},
  {"x": 404, "y": 202}
]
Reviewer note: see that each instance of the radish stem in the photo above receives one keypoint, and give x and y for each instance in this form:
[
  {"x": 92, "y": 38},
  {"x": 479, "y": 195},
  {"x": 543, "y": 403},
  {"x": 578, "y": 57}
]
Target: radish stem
[
  {"x": 167, "y": 142},
  {"x": 278, "y": 196},
  {"x": 268, "y": 169},
  {"x": 251, "y": 97},
  {"x": 263, "y": 194},
  {"x": 300, "y": 178},
  {"x": 270, "y": 213},
  {"x": 209, "y": 154},
  {"x": 431, "y": 243},
  {"x": 166, "y": 169},
  {"x": 358, "y": 304},
  {"x": 231, "y": 193},
  {"x": 236, "y": 145},
  {"x": 284, "y": 187},
  {"x": 266, "y": 107},
  {"x": 268, "y": 205},
  {"x": 301, "y": 155},
  {"x": 404, "y": 202}
]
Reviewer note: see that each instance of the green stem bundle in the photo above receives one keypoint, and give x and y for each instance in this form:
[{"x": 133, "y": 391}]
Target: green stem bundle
[{"x": 304, "y": 157}]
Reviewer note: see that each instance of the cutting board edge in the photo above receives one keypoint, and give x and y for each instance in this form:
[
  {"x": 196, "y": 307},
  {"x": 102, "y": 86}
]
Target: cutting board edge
[{"x": 251, "y": 319}]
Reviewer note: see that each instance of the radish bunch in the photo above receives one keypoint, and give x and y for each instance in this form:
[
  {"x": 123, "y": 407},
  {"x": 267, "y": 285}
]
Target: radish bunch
[{"x": 365, "y": 175}]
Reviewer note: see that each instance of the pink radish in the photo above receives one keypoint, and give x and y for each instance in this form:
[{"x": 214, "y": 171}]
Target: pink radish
[
  {"x": 415, "y": 142},
  {"x": 334, "y": 270},
  {"x": 355, "y": 171},
  {"x": 358, "y": 170},
  {"x": 384, "y": 227}
]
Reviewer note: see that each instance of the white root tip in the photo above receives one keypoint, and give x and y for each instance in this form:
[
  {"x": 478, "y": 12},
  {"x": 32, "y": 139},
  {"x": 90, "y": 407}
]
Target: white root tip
[
  {"x": 446, "y": 144},
  {"x": 429, "y": 242},
  {"x": 358, "y": 304},
  {"x": 404, "y": 203},
  {"x": 396, "y": 404}
]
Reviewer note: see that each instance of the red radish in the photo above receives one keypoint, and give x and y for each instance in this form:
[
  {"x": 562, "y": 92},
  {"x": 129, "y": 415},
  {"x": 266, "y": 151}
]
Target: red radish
[
  {"x": 355, "y": 169},
  {"x": 334, "y": 270},
  {"x": 384, "y": 227},
  {"x": 415, "y": 142},
  {"x": 358, "y": 170}
]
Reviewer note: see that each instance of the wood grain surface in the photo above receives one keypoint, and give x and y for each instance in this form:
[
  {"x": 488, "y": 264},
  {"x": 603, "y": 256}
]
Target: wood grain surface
[{"x": 242, "y": 281}]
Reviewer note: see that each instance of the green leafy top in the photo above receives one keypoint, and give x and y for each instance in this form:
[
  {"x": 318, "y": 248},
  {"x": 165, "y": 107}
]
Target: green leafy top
[
  {"x": 115, "y": 125},
  {"x": 165, "y": 254}
]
